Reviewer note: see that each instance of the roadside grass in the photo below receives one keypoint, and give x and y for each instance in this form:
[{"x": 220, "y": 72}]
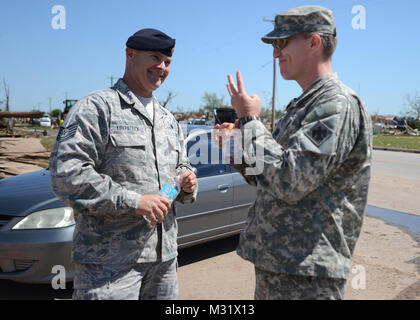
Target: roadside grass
[
  {"x": 397, "y": 142},
  {"x": 48, "y": 142}
]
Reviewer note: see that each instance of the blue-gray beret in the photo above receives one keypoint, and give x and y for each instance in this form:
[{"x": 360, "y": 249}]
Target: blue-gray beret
[
  {"x": 302, "y": 19},
  {"x": 152, "y": 40}
]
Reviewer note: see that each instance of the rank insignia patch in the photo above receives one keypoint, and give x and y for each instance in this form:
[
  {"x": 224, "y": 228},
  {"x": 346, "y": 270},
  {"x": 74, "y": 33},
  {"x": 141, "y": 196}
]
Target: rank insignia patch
[
  {"x": 319, "y": 133},
  {"x": 67, "y": 133}
]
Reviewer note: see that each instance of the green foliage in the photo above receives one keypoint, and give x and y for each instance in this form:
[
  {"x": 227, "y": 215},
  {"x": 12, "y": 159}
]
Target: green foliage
[
  {"x": 55, "y": 113},
  {"x": 211, "y": 101},
  {"x": 266, "y": 113}
]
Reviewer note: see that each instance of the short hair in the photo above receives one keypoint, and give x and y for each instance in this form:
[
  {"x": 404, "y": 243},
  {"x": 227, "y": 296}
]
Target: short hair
[{"x": 329, "y": 43}]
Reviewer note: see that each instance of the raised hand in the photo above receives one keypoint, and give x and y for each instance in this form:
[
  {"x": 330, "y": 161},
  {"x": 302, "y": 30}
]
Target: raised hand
[{"x": 244, "y": 104}]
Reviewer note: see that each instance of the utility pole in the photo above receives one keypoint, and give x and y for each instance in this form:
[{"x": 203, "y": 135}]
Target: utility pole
[
  {"x": 112, "y": 80},
  {"x": 273, "y": 103},
  {"x": 273, "y": 110},
  {"x": 49, "y": 99}
]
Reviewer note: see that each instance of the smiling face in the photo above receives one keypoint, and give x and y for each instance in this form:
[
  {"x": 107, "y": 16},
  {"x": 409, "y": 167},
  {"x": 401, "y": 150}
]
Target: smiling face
[{"x": 147, "y": 70}]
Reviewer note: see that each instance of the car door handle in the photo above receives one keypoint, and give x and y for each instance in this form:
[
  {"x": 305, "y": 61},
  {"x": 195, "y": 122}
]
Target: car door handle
[{"x": 223, "y": 188}]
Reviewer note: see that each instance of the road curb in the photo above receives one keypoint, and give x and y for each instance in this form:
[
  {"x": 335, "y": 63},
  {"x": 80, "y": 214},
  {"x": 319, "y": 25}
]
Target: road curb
[{"x": 397, "y": 150}]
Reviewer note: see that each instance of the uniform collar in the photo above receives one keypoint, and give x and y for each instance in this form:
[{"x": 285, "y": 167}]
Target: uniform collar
[
  {"x": 315, "y": 86},
  {"x": 129, "y": 97}
]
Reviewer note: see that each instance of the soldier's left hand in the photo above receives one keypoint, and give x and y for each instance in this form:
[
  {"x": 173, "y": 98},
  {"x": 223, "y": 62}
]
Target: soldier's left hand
[
  {"x": 244, "y": 104},
  {"x": 223, "y": 131},
  {"x": 188, "y": 181}
]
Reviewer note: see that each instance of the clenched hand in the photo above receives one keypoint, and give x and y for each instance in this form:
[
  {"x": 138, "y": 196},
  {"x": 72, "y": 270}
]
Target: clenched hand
[{"x": 153, "y": 207}]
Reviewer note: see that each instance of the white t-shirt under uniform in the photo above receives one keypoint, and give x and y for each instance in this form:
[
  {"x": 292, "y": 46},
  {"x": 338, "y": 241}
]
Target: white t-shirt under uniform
[{"x": 148, "y": 104}]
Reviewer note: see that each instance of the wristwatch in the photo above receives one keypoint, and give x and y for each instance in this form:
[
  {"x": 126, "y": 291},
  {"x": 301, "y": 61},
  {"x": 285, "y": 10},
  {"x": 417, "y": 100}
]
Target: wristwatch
[{"x": 244, "y": 120}]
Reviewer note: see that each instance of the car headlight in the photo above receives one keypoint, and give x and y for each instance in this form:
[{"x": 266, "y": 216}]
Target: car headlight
[{"x": 47, "y": 219}]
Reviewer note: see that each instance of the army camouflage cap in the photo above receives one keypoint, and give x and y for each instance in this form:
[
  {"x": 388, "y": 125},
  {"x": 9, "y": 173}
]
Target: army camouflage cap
[{"x": 302, "y": 19}]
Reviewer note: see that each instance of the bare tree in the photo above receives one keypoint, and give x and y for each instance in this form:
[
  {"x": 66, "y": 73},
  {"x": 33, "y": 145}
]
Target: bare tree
[
  {"x": 180, "y": 109},
  {"x": 414, "y": 105},
  {"x": 7, "y": 93},
  {"x": 168, "y": 98}
]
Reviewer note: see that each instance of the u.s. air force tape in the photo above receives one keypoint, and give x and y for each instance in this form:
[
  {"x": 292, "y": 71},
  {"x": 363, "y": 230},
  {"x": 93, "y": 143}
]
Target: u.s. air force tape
[{"x": 67, "y": 132}]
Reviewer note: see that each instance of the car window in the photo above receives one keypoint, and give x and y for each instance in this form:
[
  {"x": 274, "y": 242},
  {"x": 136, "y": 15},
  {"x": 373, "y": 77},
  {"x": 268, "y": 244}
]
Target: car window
[
  {"x": 205, "y": 157},
  {"x": 206, "y": 170}
]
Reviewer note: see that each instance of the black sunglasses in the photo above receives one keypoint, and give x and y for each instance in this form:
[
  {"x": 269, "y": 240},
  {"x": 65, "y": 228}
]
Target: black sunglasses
[{"x": 279, "y": 44}]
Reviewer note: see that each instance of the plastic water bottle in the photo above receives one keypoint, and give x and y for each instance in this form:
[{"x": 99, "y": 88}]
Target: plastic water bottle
[{"x": 170, "y": 191}]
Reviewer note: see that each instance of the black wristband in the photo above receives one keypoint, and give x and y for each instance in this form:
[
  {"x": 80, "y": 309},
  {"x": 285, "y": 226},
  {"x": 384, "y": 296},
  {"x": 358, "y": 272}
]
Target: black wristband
[{"x": 244, "y": 120}]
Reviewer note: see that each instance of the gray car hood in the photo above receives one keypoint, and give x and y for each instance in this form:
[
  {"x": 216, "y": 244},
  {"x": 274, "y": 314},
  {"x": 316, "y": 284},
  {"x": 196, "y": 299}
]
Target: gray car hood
[{"x": 27, "y": 193}]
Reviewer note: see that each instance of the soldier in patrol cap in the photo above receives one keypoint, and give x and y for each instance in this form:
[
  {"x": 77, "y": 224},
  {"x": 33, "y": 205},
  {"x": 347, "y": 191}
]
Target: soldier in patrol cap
[
  {"x": 311, "y": 194},
  {"x": 116, "y": 149}
]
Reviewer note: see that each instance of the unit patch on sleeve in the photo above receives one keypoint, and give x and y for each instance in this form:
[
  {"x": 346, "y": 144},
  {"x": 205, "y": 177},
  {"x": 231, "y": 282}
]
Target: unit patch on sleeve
[{"x": 319, "y": 133}]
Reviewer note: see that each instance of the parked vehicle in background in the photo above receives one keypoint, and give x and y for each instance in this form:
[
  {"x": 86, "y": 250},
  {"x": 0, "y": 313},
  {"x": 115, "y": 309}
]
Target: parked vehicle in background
[
  {"x": 36, "y": 228},
  {"x": 205, "y": 122},
  {"x": 45, "y": 121}
]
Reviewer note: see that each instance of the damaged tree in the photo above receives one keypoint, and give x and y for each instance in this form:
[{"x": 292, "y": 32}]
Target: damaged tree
[
  {"x": 414, "y": 104},
  {"x": 7, "y": 94},
  {"x": 4, "y": 122}
]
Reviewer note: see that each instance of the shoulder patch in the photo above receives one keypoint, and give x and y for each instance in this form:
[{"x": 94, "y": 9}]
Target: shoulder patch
[
  {"x": 319, "y": 133},
  {"x": 67, "y": 132}
]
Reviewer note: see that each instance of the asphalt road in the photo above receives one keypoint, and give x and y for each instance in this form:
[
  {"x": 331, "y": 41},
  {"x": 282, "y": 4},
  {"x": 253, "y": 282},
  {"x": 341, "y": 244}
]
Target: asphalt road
[
  {"x": 405, "y": 165},
  {"x": 400, "y": 164}
]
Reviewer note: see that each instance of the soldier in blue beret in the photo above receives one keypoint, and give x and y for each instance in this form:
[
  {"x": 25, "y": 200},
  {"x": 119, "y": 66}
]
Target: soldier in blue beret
[
  {"x": 118, "y": 147},
  {"x": 152, "y": 40},
  {"x": 313, "y": 184}
]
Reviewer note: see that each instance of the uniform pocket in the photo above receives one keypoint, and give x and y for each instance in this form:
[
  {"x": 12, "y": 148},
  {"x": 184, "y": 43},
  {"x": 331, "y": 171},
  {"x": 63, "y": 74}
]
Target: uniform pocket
[
  {"x": 129, "y": 145},
  {"x": 173, "y": 150},
  {"x": 128, "y": 140}
]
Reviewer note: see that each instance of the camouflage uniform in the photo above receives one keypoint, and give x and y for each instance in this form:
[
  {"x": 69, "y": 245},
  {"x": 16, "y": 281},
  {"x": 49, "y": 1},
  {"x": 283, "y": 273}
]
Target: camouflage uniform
[
  {"x": 108, "y": 153},
  {"x": 141, "y": 281},
  {"x": 313, "y": 189},
  {"x": 279, "y": 286}
]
